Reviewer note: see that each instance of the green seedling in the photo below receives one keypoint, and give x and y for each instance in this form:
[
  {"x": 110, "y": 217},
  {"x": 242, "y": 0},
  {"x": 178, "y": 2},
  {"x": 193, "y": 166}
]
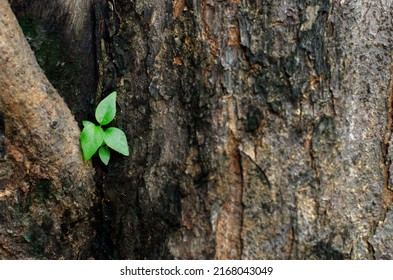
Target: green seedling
[{"x": 94, "y": 138}]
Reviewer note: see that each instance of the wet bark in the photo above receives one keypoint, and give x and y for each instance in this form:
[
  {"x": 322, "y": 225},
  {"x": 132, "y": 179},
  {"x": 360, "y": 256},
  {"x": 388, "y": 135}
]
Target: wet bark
[
  {"x": 46, "y": 190},
  {"x": 259, "y": 129}
]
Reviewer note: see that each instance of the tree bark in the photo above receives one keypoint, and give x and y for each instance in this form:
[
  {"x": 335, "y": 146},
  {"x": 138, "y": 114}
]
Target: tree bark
[
  {"x": 61, "y": 34},
  {"x": 46, "y": 191},
  {"x": 259, "y": 129}
]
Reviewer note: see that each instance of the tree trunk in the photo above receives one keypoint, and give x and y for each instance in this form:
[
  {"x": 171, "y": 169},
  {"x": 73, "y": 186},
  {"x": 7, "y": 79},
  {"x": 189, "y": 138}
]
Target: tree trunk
[
  {"x": 46, "y": 191},
  {"x": 61, "y": 34},
  {"x": 259, "y": 129}
]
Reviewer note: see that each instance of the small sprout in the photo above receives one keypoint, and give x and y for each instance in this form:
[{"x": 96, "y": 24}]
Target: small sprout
[{"x": 94, "y": 138}]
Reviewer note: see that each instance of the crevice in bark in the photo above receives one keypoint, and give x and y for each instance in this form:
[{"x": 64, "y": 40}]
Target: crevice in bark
[
  {"x": 261, "y": 173},
  {"x": 107, "y": 23},
  {"x": 311, "y": 153},
  {"x": 387, "y": 156},
  {"x": 106, "y": 27},
  {"x": 102, "y": 247},
  {"x": 369, "y": 244},
  {"x": 2, "y": 141},
  {"x": 241, "y": 241},
  {"x": 292, "y": 237}
]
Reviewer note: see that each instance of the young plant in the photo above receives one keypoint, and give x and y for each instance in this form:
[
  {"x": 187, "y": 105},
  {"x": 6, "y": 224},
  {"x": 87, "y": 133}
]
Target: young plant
[{"x": 94, "y": 137}]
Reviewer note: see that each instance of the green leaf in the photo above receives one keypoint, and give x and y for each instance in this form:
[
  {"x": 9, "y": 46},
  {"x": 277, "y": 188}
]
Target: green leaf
[
  {"x": 92, "y": 137},
  {"x": 86, "y": 123},
  {"x": 104, "y": 154},
  {"x": 106, "y": 110},
  {"x": 117, "y": 140}
]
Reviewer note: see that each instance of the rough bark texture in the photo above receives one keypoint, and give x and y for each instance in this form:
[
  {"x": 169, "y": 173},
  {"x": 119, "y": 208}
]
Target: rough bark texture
[
  {"x": 259, "y": 129},
  {"x": 46, "y": 191}
]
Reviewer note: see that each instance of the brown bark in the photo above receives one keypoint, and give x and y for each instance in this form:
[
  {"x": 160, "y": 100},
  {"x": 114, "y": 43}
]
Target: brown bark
[
  {"x": 259, "y": 124},
  {"x": 259, "y": 129},
  {"x": 61, "y": 34},
  {"x": 46, "y": 191}
]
